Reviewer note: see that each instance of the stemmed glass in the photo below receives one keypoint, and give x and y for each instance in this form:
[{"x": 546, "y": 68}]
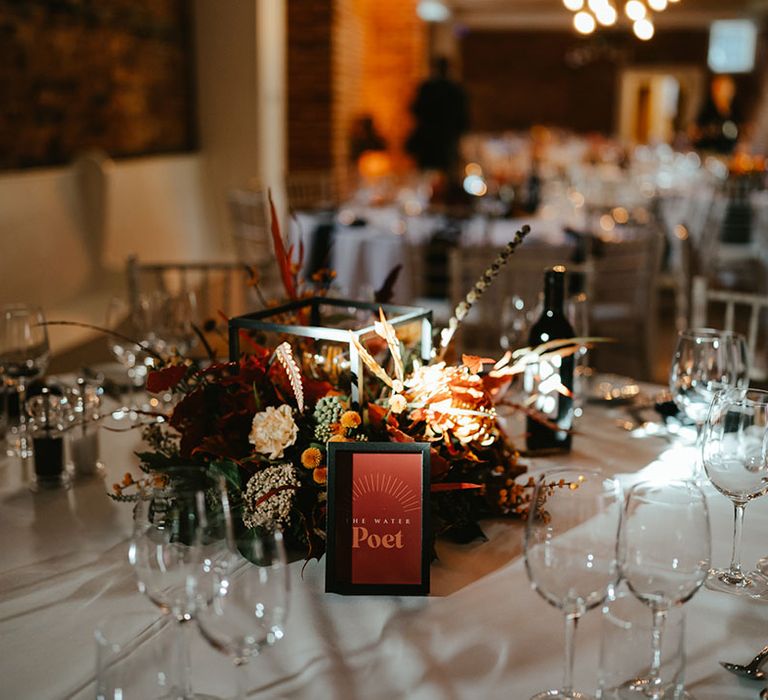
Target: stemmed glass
[
  {"x": 24, "y": 355},
  {"x": 664, "y": 555},
  {"x": 134, "y": 336},
  {"x": 180, "y": 315},
  {"x": 570, "y": 551},
  {"x": 515, "y": 323},
  {"x": 735, "y": 456},
  {"x": 705, "y": 361},
  {"x": 249, "y": 605},
  {"x": 178, "y": 545}
]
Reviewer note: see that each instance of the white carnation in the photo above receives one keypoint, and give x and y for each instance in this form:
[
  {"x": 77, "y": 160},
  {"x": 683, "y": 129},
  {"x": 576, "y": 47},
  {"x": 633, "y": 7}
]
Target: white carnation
[{"x": 273, "y": 430}]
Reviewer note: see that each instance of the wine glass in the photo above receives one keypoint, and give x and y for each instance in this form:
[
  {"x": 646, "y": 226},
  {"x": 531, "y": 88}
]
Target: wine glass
[
  {"x": 134, "y": 340},
  {"x": 515, "y": 323},
  {"x": 664, "y": 555},
  {"x": 24, "y": 356},
  {"x": 705, "y": 361},
  {"x": 734, "y": 452},
  {"x": 180, "y": 315},
  {"x": 577, "y": 311},
  {"x": 249, "y": 603},
  {"x": 178, "y": 545},
  {"x": 570, "y": 551}
]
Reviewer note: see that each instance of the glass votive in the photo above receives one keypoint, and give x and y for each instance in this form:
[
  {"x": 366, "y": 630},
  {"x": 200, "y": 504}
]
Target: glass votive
[
  {"x": 47, "y": 418},
  {"x": 84, "y": 451},
  {"x": 625, "y": 650},
  {"x": 131, "y": 652},
  {"x": 85, "y": 400}
]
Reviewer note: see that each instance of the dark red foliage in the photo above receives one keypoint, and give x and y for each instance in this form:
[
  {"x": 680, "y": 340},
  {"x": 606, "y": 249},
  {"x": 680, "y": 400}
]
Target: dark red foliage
[
  {"x": 166, "y": 378},
  {"x": 214, "y": 419}
]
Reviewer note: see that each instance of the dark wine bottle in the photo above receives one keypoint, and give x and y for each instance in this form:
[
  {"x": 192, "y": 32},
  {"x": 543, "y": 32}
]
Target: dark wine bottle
[{"x": 550, "y": 382}]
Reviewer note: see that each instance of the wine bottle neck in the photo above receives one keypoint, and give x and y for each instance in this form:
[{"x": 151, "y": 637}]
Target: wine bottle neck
[{"x": 554, "y": 291}]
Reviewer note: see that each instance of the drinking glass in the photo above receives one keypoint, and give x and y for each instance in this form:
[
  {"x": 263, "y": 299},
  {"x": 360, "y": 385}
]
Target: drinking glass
[
  {"x": 131, "y": 652},
  {"x": 577, "y": 310},
  {"x": 515, "y": 323},
  {"x": 664, "y": 555},
  {"x": 705, "y": 361},
  {"x": 734, "y": 452},
  {"x": 180, "y": 315},
  {"x": 133, "y": 339},
  {"x": 177, "y": 547},
  {"x": 626, "y": 628},
  {"x": 24, "y": 355},
  {"x": 249, "y": 603},
  {"x": 570, "y": 551}
]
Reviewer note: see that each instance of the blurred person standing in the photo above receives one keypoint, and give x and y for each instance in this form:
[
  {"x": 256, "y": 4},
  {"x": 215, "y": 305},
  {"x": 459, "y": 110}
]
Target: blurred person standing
[
  {"x": 440, "y": 110},
  {"x": 719, "y": 121}
]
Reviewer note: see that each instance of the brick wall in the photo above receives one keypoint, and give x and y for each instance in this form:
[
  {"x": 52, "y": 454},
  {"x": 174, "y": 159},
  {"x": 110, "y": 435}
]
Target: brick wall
[
  {"x": 347, "y": 58},
  {"x": 349, "y": 37},
  {"x": 310, "y": 84},
  {"x": 79, "y": 74},
  {"x": 394, "y": 64}
]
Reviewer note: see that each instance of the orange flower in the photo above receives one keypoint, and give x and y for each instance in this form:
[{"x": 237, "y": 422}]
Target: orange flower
[
  {"x": 320, "y": 475},
  {"x": 311, "y": 458},
  {"x": 350, "y": 419},
  {"x": 117, "y": 489},
  {"x": 338, "y": 438},
  {"x": 127, "y": 479}
]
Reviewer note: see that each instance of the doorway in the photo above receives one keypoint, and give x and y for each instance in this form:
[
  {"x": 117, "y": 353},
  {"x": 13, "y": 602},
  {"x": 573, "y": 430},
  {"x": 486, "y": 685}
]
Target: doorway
[{"x": 656, "y": 104}]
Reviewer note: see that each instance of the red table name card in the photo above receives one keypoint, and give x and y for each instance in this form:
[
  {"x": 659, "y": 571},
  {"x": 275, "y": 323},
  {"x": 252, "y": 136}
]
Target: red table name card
[{"x": 378, "y": 508}]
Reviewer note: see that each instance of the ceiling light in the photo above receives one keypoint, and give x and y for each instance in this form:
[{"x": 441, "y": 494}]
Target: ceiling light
[
  {"x": 597, "y": 5},
  {"x": 573, "y": 5},
  {"x": 607, "y": 16},
  {"x": 584, "y": 23},
  {"x": 643, "y": 29},
  {"x": 635, "y": 10},
  {"x": 657, "y": 5},
  {"x": 432, "y": 11}
]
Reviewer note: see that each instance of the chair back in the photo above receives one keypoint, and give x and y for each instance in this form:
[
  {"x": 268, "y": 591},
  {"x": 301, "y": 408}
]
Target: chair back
[
  {"x": 747, "y": 313},
  {"x": 248, "y": 211},
  {"x": 523, "y": 276},
  {"x": 626, "y": 268},
  {"x": 221, "y": 289},
  {"x": 311, "y": 190}
]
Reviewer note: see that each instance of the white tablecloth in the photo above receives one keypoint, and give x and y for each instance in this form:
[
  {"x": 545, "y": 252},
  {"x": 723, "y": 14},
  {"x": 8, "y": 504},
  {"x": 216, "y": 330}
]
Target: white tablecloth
[
  {"x": 483, "y": 633},
  {"x": 363, "y": 256}
]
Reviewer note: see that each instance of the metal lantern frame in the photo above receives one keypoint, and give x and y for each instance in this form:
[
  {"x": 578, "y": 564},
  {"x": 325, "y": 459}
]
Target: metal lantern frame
[{"x": 397, "y": 315}]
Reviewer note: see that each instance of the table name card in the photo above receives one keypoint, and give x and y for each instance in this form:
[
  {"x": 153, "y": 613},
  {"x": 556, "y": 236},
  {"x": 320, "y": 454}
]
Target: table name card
[{"x": 378, "y": 518}]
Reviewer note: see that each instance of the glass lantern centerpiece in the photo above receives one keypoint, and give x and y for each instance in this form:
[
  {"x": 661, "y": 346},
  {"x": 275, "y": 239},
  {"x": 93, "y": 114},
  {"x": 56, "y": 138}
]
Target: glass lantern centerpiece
[{"x": 322, "y": 332}]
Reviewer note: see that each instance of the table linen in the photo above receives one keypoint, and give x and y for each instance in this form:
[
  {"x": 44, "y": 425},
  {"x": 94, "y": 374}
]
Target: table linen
[{"x": 483, "y": 633}]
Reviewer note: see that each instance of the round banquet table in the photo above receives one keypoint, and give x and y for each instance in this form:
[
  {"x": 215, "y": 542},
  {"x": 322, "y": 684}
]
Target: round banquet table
[
  {"x": 363, "y": 256},
  {"x": 482, "y": 633}
]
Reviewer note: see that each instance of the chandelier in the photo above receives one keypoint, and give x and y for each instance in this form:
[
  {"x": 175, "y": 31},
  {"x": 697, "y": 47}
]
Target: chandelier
[{"x": 588, "y": 15}]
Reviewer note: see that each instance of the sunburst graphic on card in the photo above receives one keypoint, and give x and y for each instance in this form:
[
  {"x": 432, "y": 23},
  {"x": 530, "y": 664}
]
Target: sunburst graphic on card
[{"x": 385, "y": 487}]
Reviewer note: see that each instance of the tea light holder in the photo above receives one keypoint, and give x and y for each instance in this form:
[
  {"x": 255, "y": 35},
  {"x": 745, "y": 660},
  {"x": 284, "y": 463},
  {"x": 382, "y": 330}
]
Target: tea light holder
[{"x": 334, "y": 321}]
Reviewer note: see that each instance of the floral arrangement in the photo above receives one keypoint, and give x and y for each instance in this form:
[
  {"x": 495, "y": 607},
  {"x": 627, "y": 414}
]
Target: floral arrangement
[{"x": 264, "y": 424}]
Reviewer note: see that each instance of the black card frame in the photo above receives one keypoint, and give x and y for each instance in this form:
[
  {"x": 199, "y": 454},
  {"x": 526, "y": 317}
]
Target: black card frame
[{"x": 333, "y": 581}]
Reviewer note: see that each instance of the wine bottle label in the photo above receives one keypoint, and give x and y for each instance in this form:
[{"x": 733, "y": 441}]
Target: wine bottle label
[{"x": 543, "y": 382}]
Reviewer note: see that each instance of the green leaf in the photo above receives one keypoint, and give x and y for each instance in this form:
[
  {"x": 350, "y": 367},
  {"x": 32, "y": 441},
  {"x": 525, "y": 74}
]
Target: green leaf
[
  {"x": 156, "y": 461},
  {"x": 228, "y": 469}
]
